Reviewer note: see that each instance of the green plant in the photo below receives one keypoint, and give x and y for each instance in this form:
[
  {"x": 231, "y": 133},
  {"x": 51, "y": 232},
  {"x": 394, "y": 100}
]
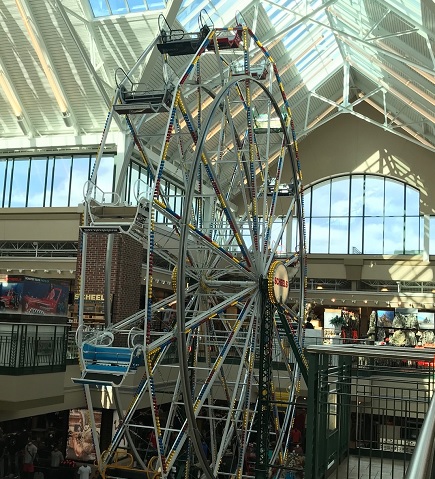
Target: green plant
[{"x": 338, "y": 321}]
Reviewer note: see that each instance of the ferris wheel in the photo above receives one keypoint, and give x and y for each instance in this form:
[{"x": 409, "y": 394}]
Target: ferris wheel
[{"x": 221, "y": 377}]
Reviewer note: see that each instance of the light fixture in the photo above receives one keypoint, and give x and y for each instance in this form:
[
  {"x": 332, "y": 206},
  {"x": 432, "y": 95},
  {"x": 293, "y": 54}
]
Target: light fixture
[
  {"x": 8, "y": 270},
  {"x": 59, "y": 271},
  {"x": 376, "y": 302},
  {"x": 365, "y": 301},
  {"x": 71, "y": 271},
  {"x": 384, "y": 289},
  {"x": 20, "y": 270},
  {"x": 319, "y": 287},
  {"x": 333, "y": 300},
  {"x": 32, "y": 270},
  {"x": 45, "y": 270}
]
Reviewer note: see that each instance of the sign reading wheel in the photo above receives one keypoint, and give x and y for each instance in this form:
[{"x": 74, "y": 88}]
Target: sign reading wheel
[{"x": 278, "y": 283}]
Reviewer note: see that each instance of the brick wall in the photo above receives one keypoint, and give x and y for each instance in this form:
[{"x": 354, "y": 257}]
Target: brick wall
[{"x": 125, "y": 274}]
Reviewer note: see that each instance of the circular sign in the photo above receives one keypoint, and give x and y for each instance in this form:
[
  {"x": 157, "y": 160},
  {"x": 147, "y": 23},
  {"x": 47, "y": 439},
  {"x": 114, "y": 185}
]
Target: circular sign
[{"x": 279, "y": 283}]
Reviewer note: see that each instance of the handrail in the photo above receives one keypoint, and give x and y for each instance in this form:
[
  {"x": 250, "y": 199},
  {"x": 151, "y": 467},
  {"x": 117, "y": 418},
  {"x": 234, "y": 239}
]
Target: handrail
[{"x": 421, "y": 464}]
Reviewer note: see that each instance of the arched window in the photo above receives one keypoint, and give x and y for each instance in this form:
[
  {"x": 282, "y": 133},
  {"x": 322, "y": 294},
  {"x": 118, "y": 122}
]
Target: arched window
[{"x": 362, "y": 214}]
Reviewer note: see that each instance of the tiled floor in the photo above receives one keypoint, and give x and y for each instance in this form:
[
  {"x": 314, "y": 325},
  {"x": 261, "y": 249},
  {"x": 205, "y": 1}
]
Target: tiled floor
[{"x": 370, "y": 468}]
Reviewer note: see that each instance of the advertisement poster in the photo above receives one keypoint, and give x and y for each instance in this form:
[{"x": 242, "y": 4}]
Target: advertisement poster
[
  {"x": 28, "y": 295},
  {"x": 80, "y": 445}
]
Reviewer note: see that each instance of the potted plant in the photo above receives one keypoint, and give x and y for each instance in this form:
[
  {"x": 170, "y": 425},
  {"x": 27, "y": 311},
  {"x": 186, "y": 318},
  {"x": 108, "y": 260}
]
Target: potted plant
[{"x": 338, "y": 322}]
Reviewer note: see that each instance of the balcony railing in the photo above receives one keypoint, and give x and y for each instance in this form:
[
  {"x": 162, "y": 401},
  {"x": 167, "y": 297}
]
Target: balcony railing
[{"x": 32, "y": 348}]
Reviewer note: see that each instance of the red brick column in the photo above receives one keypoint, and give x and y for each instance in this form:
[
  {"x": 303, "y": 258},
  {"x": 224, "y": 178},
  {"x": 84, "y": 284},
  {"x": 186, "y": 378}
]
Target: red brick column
[{"x": 125, "y": 273}]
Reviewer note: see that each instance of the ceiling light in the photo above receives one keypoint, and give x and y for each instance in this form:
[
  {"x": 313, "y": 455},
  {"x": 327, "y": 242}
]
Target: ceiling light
[
  {"x": 333, "y": 300},
  {"x": 319, "y": 287},
  {"x": 384, "y": 289}
]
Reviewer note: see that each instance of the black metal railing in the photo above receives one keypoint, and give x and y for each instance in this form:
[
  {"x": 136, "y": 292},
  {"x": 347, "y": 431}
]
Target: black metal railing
[{"x": 32, "y": 348}]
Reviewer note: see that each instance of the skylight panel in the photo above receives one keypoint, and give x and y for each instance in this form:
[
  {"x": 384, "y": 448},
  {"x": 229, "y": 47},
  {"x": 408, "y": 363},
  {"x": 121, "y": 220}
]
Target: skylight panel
[{"x": 105, "y": 8}]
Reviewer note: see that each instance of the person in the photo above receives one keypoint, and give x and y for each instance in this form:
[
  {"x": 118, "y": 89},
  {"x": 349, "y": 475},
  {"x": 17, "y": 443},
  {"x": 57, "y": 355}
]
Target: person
[
  {"x": 84, "y": 471},
  {"x": 308, "y": 324},
  {"x": 298, "y": 450},
  {"x": 56, "y": 459},
  {"x": 296, "y": 435},
  {"x": 30, "y": 451}
]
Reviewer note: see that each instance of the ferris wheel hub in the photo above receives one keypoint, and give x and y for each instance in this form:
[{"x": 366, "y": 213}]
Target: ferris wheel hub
[{"x": 278, "y": 282}]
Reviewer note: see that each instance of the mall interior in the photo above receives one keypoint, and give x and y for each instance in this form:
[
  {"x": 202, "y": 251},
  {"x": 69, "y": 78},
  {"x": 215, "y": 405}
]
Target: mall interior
[{"x": 266, "y": 167}]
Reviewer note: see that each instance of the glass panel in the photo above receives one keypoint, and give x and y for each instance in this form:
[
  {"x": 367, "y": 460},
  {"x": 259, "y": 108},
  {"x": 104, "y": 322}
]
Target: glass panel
[
  {"x": 373, "y": 235},
  {"x": 134, "y": 185},
  {"x": 3, "y": 164},
  {"x": 48, "y": 189},
  {"x": 99, "y": 8},
  {"x": 432, "y": 235},
  {"x": 38, "y": 170},
  {"x": 319, "y": 238},
  {"x": 19, "y": 182},
  {"x": 295, "y": 234},
  {"x": 374, "y": 196},
  {"x": 136, "y": 5},
  {"x": 156, "y": 4},
  {"x": 80, "y": 174},
  {"x": 275, "y": 231},
  {"x": 393, "y": 238},
  {"x": 394, "y": 198},
  {"x": 105, "y": 177},
  {"x": 118, "y": 7},
  {"x": 338, "y": 235},
  {"x": 412, "y": 235},
  {"x": 340, "y": 197},
  {"x": 412, "y": 201},
  {"x": 9, "y": 173},
  {"x": 355, "y": 236},
  {"x": 307, "y": 203},
  {"x": 62, "y": 170},
  {"x": 321, "y": 200},
  {"x": 357, "y": 196}
]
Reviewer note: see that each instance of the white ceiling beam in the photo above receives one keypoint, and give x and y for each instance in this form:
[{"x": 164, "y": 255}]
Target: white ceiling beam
[
  {"x": 342, "y": 33},
  {"x": 15, "y": 102},
  {"x": 87, "y": 60},
  {"x": 38, "y": 44}
]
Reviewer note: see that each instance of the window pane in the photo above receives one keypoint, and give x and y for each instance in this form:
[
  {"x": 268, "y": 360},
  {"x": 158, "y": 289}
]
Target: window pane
[
  {"x": 432, "y": 235},
  {"x": 340, "y": 197},
  {"x": 19, "y": 182},
  {"x": 374, "y": 196},
  {"x": 355, "y": 236},
  {"x": 307, "y": 203},
  {"x": 118, "y": 7},
  {"x": 8, "y": 182},
  {"x": 80, "y": 174},
  {"x": 393, "y": 238},
  {"x": 394, "y": 198},
  {"x": 105, "y": 177},
  {"x": 338, "y": 235},
  {"x": 276, "y": 230},
  {"x": 412, "y": 235},
  {"x": 134, "y": 185},
  {"x": 38, "y": 170},
  {"x": 412, "y": 201},
  {"x": 373, "y": 235},
  {"x": 3, "y": 164},
  {"x": 62, "y": 170},
  {"x": 99, "y": 8},
  {"x": 48, "y": 188},
  {"x": 136, "y": 5},
  {"x": 320, "y": 200},
  {"x": 357, "y": 196},
  {"x": 319, "y": 238}
]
